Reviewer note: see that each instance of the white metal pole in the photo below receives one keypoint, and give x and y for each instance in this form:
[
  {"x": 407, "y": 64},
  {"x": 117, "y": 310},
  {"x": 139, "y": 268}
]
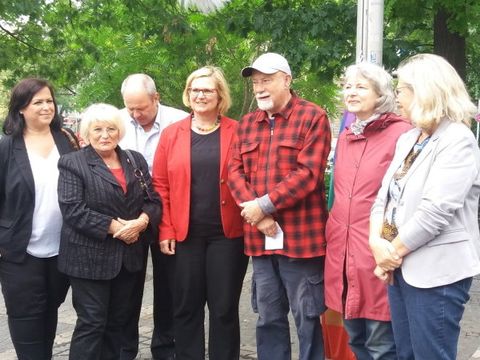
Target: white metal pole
[
  {"x": 375, "y": 34},
  {"x": 370, "y": 31},
  {"x": 361, "y": 31}
]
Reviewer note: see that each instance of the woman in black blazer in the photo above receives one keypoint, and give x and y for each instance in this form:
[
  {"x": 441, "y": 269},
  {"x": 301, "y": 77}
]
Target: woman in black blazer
[
  {"x": 106, "y": 212},
  {"x": 30, "y": 218}
]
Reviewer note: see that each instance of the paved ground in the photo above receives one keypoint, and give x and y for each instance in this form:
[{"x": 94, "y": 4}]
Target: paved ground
[{"x": 469, "y": 346}]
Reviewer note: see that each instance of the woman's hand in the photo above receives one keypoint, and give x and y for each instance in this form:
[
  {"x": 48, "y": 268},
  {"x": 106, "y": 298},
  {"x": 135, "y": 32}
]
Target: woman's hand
[
  {"x": 268, "y": 226},
  {"x": 386, "y": 257},
  {"x": 131, "y": 229},
  {"x": 385, "y": 276},
  {"x": 116, "y": 228},
  {"x": 168, "y": 246}
]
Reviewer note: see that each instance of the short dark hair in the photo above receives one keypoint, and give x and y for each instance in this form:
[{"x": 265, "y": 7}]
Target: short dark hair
[{"x": 20, "y": 97}]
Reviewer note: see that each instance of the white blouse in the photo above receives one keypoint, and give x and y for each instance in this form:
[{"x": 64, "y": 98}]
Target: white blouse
[{"x": 47, "y": 219}]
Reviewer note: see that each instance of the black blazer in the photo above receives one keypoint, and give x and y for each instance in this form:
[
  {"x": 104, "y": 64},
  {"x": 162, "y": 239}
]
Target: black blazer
[
  {"x": 17, "y": 195},
  {"x": 90, "y": 197}
]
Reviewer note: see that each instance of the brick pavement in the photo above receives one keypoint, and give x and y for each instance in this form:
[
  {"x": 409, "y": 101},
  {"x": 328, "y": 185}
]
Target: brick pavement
[{"x": 469, "y": 345}]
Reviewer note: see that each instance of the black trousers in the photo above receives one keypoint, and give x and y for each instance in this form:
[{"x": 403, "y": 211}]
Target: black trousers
[
  {"x": 162, "y": 345},
  {"x": 33, "y": 291},
  {"x": 102, "y": 307},
  {"x": 208, "y": 270}
]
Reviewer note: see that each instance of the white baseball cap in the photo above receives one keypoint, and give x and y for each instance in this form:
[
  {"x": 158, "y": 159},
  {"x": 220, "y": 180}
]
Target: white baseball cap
[{"x": 268, "y": 63}]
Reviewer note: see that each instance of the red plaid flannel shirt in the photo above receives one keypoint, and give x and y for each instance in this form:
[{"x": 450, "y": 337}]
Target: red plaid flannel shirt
[{"x": 287, "y": 163}]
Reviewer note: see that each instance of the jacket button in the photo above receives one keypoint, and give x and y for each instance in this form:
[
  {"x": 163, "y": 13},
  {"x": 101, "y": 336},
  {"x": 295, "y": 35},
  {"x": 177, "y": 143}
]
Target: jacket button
[
  {"x": 222, "y": 181},
  {"x": 223, "y": 202}
]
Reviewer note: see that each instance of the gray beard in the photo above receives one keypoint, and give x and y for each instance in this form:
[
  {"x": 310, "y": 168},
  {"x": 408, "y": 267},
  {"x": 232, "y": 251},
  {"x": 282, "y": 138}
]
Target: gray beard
[{"x": 265, "y": 105}]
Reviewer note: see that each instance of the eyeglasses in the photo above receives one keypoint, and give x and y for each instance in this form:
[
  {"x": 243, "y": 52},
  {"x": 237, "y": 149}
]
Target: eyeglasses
[
  {"x": 398, "y": 90},
  {"x": 206, "y": 92}
]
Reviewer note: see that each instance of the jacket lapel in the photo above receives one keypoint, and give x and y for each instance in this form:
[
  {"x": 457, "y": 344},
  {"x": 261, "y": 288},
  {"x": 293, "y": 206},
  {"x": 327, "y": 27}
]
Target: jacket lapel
[
  {"x": 184, "y": 146},
  {"x": 226, "y": 133},
  {"x": 425, "y": 154},
  {"x": 127, "y": 169},
  {"x": 98, "y": 167},
  {"x": 401, "y": 153},
  {"x": 21, "y": 157},
  {"x": 61, "y": 142}
]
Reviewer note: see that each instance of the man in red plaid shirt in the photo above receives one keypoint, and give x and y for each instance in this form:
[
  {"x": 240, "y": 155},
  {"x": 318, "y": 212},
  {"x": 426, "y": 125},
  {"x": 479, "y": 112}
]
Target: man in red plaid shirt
[{"x": 276, "y": 176}]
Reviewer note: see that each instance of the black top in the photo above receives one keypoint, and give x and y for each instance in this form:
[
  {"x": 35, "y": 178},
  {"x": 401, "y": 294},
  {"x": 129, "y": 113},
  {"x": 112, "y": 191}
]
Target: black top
[{"x": 205, "y": 190}]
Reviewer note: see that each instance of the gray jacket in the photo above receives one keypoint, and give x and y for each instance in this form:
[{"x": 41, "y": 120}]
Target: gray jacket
[{"x": 437, "y": 210}]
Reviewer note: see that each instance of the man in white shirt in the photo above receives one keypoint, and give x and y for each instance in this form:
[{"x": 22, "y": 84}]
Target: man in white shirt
[{"x": 145, "y": 118}]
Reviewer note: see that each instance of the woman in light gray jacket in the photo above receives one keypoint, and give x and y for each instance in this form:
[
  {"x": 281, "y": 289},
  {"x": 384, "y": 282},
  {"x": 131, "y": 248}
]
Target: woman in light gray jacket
[{"x": 424, "y": 228}]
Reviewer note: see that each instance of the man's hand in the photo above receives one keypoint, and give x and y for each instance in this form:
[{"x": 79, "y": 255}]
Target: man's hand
[
  {"x": 168, "y": 246},
  {"x": 268, "y": 226},
  {"x": 251, "y": 212}
]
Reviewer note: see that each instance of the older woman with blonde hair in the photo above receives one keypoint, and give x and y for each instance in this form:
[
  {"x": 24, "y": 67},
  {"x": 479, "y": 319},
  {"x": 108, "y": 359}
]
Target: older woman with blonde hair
[
  {"x": 201, "y": 224},
  {"x": 109, "y": 208},
  {"x": 364, "y": 151},
  {"x": 424, "y": 227}
]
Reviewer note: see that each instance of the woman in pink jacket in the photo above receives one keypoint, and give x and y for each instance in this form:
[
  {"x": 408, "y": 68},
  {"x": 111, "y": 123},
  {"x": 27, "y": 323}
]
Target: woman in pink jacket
[{"x": 364, "y": 151}]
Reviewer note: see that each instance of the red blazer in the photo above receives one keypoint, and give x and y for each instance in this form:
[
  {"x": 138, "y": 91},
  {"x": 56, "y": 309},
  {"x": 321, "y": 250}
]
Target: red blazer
[{"x": 172, "y": 179}]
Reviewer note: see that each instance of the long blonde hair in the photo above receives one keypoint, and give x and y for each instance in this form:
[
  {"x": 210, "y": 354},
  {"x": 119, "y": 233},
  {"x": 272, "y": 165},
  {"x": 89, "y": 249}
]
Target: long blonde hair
[{"x": 438, "y": 91}]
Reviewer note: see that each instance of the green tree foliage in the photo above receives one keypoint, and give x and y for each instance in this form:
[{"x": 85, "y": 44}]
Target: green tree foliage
[
  {"x": 409, "y": 29},
  {"x": 87, "y": 47}
]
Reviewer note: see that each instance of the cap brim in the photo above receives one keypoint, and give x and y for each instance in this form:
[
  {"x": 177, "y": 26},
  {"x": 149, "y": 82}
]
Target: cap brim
[{"x": 247, "y": 71}]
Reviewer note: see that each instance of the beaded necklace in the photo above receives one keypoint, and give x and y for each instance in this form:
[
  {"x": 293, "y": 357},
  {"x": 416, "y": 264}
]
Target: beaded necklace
[{"x": 214, "y": 126}]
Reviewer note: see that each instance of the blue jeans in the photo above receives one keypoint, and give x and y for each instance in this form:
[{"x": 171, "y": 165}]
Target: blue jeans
[
  {"x": 278, "y": 284},
  {"x": 371, "y": 339},
  {"x": 426, "y": 322}
]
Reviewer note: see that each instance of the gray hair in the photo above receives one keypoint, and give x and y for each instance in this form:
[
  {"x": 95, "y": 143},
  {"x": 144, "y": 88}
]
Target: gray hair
[
  {"x": 381, "y": 82},
  {"x": 139, "y": 81},
  {"x": 104, "y": 113}
]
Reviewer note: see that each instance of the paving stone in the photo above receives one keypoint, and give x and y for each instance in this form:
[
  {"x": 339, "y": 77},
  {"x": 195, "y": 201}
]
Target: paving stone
[{"x": 469, "y": 344}]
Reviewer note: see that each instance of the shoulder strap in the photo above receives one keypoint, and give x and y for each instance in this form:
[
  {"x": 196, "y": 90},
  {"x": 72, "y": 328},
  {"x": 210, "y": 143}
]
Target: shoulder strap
[
  {"x": 138, "y": 174},
  {"x": 131, "y": 158},
  {"x": 72, "y": 139}
]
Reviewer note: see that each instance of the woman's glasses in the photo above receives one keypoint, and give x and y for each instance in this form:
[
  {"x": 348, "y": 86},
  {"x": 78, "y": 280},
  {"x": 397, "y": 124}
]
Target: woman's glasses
[{"x": 206, "y": 92}]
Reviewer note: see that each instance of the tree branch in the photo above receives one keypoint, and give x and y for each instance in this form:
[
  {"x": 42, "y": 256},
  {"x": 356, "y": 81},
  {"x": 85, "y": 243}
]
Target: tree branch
[
  {"x": 70, "y": 90},
  {"x": 9, "y": 33}
]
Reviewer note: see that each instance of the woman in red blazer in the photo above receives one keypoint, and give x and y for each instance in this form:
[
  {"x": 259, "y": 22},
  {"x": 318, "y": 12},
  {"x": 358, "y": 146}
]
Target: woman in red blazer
[{"x": 201, "y": 224}]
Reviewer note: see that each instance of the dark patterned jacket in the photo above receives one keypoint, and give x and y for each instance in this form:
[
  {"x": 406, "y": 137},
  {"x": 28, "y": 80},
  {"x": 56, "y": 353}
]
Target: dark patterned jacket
[{"x": 90, "y": 197}]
